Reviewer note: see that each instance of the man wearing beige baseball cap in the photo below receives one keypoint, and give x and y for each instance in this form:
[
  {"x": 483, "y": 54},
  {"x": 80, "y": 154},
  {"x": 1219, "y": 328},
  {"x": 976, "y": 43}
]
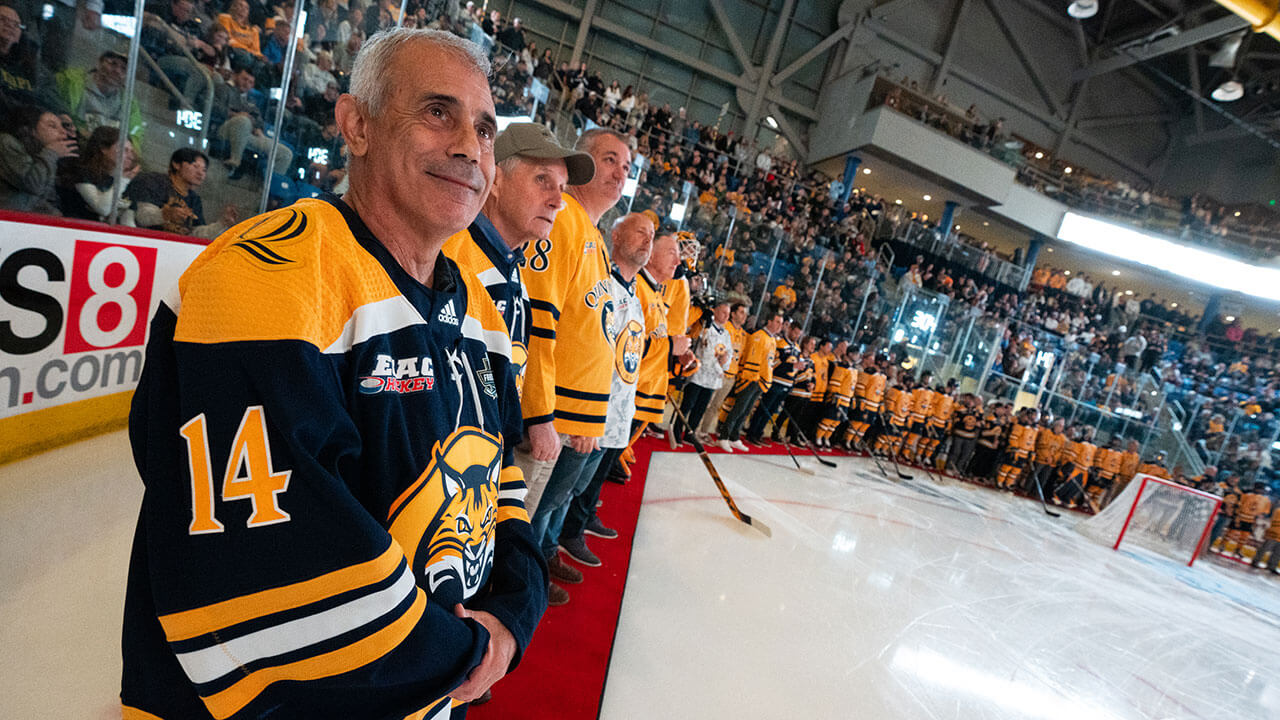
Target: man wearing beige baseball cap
[{"x": 533, "y": 171}]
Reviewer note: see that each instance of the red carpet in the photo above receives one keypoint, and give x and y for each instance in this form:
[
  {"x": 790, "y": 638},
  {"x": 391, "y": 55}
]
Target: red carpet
[{"x": 562, "y": 674}]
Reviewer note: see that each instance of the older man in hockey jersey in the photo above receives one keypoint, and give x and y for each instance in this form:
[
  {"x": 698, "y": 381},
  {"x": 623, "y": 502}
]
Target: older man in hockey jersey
[
  {"x": 533, "y": 171},
  {"x": 631, "y": 241},
  {"x": 333, "y": 523},
  {"x": 571, "y": 347}
]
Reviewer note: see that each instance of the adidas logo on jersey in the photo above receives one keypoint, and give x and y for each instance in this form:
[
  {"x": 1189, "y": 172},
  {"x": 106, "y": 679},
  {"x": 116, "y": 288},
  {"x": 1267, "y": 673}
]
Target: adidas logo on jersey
[
  {"x": 399, "y": 375},
  {"x": 448, "y": 314}
]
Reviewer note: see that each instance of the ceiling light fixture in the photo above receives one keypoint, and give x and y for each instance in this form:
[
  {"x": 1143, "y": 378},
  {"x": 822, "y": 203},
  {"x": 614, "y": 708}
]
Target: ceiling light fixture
[
  {"x": 1115, "y": 272},
  {"x": 927, "y": 198},
  {"x": 1229, "y": 91},
  {"x": 866, "y": 171},
  {"x": 768, "y": 120},
  {"x": 1039, "y": 155},
  {"x": 1083, "y": 9},
  {"x": 1067, "y": 170},
  {"x": 897, "y": 202}
]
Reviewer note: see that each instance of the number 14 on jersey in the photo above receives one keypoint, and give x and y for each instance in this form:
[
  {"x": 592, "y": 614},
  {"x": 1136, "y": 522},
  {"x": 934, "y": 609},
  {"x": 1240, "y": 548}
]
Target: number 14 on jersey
[{"x": 249, "y": 473}]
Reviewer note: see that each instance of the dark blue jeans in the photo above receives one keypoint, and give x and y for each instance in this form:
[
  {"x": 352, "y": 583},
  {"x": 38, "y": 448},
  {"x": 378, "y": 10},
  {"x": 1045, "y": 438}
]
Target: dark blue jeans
[{"x": 570, "y": 476}]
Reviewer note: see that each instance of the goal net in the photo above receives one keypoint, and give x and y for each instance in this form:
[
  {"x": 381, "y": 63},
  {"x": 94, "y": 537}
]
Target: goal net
[{"x": 1158, "y": 515}]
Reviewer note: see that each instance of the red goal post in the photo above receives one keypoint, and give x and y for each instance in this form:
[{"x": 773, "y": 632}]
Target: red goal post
[{"x": 1159, "y": 515}]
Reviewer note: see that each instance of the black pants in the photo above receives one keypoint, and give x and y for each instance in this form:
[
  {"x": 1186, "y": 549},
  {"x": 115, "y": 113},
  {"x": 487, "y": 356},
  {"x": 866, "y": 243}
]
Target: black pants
[
  {"x": 744, "y": 398},
  {"x": 961, "y": 453},
  {"x": 798, "y": 409},
  {"x": 768, "y": 406},
  {"x": 694, "y": 406}
]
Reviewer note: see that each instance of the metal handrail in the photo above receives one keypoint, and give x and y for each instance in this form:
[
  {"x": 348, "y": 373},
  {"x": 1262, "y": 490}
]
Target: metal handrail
[{"x": 173, "y": 90}]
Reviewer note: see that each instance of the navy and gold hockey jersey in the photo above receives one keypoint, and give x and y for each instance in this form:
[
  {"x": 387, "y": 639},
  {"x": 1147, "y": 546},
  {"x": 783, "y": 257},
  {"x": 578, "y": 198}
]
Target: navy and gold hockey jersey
[
  {"x": 481, "y": 251},
  {"x": 326, "y": 448}
]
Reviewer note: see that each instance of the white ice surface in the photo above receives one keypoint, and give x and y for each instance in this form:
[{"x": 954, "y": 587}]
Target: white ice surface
[
  {"x": 878, "y": 599},
  {"x": 66, "y": 523}
]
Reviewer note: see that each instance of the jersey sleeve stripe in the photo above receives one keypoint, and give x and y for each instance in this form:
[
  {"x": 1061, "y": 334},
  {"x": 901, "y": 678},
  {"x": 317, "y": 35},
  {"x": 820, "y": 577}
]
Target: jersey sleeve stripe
[
  {"x": 374, "y": 319},
  {"x": 512, "y": 511},
  {"x": 133, "y": 713},
  {"x": 581, "y": 394},
  {"x": 536, "y": 331},
  {"x": 491, "y": 276},
  {"x": 545, "y": 306},
  {"x": 216, "y": 661},
  {"x": 438, "y": 710},
  {"x": 227, "y": 702},
  {"x": 497, "y": 341},
  {"x": 211, "y": 618},
  {"x": 579, "y": 417}
]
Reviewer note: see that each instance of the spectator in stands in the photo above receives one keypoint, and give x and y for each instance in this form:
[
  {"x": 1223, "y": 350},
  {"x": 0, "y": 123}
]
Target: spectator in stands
[
  {"x": 21, "y": 76},
  {"x": 29, "y": 154},
  {"x": 319, "y": 107},
  {"x": 513, "y": 36},
  {"x": 94, "y": 98},
  {"x": 353, "y": 24},
  {"x": 276, "y": 45},
  {"x": 174, "y": 38},
  {"x": 170, "y": 202},
  {"x": 85, "y": 185},
  {"x": 316, "y": 73},
  {"x": 545, "y": 67},
  {"x": 244, "y": 35},
  {"x": 244, "y": 107},
  {"x": 344, "y": 55},
  {"x": 216, "y": 55}
]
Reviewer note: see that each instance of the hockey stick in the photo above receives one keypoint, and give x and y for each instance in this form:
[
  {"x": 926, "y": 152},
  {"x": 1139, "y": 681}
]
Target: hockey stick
[
  {"x": 1040, "y": 492},
  {"x": 801, "y": 468},
  {"x": 896, "y": 467},
  {"x": 805, "y": 439},
  {"x": 715, "y": 476},
  {"x": 924, "y": 464}
]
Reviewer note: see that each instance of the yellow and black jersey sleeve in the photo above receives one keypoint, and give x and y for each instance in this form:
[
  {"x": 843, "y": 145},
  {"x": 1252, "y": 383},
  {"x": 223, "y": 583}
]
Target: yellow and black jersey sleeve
[
  {"x": 757, "y": 359},
  {"x": 675, "y": 293},
  {"x": 840, "y": 388},
  {"x": 651, "y": 388},
  {"x": 325, "y": 445},
  {"x": 570, "y": 349}
]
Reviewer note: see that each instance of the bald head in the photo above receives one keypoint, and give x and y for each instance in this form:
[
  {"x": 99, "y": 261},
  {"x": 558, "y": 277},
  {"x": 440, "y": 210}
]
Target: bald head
[{"x": 631, "y": 240}]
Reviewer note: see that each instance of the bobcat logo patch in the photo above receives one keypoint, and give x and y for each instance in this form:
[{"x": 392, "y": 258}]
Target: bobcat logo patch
[{"x": 446, "y": 521}]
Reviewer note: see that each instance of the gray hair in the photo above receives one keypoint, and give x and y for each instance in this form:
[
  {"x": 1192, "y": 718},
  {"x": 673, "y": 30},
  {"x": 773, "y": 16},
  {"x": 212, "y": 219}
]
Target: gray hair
[
  {"x": 370, "y": 77},
  {"x": 588, "y": 139}
]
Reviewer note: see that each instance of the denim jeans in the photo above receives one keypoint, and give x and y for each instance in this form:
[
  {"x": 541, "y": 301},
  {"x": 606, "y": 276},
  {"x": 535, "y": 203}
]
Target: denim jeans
[
  {"x": 572, "y": 473},
  {"x": 583, "y": 506}
]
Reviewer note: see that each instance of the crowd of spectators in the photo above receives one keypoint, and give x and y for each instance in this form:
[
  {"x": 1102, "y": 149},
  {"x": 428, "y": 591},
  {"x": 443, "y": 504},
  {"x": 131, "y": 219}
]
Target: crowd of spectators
[{"x": 1242, "y": 229}]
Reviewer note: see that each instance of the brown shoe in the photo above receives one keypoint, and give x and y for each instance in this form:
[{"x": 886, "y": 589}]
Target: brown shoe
[
  {"x": 556, "y": 595},
  {"x": 562, "y": 571}
]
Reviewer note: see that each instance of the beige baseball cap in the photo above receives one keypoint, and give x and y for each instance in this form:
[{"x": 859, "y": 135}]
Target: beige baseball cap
[{"x": 536, "y": 141}]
